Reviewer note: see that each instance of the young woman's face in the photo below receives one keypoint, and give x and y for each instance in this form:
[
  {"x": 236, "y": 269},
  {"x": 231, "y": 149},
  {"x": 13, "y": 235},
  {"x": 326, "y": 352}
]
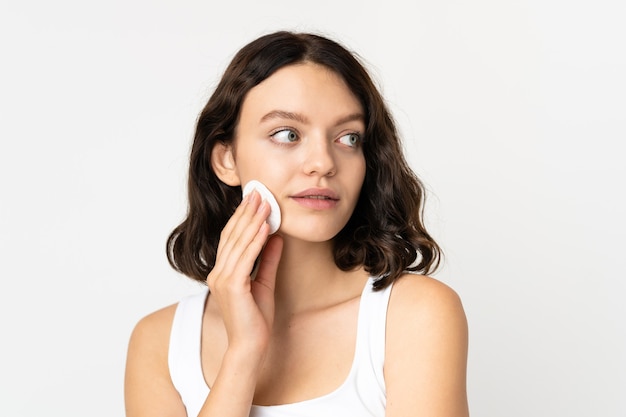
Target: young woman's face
[{"x": 300, "y": 134}]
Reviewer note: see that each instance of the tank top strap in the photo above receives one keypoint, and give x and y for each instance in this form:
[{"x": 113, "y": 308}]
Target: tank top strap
[
  {"x": 184, "y": 356},
  {"x": 370, "y": 344}
]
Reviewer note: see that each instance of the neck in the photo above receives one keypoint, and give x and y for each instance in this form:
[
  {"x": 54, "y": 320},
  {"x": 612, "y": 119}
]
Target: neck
[{"x": 308, "y": 278}]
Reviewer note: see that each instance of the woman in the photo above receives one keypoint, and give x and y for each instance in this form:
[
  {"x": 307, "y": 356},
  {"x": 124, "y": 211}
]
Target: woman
[{"x": 336, "y": 317}]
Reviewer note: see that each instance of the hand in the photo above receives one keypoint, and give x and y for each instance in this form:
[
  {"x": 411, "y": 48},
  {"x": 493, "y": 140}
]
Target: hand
[{"x": 247, "y": 305}]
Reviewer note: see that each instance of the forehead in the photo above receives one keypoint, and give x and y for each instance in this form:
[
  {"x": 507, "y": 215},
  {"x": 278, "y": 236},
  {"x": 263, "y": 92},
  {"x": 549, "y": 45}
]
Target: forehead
[{"x": 306, "y": 88}]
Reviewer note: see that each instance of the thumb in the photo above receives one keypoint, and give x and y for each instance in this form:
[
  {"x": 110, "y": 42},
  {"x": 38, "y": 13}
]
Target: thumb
[{"x": 268, "y": 265}]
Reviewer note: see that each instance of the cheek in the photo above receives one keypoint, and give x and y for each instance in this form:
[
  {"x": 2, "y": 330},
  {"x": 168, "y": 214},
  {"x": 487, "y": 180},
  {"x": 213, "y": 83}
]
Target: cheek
[
  {"x": 361, "y": 168},
  {"x": 268, "y": 170}
]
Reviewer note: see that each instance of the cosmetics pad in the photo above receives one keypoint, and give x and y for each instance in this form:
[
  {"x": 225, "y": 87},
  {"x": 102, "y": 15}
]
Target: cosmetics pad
[{"x": 274, "y": 218}]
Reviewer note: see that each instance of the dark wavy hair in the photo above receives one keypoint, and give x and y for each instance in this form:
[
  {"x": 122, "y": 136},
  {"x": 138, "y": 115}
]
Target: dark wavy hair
[{"x": 385, "y": 234}]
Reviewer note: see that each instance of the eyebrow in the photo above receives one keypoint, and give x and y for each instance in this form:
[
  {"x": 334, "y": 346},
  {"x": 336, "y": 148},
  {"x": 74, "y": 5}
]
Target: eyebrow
[{"x": 282, "y": 114}]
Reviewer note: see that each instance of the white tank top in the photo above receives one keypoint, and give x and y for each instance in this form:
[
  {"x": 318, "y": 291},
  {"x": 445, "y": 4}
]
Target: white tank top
[{"x": 362, "y": 394}]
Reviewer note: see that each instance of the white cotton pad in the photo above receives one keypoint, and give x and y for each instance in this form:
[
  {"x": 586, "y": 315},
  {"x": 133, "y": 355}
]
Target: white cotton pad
[{"x": 274, "y": 218}]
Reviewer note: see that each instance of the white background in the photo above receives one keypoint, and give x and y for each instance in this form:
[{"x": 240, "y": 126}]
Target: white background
[{"x": 513, "y": 113}]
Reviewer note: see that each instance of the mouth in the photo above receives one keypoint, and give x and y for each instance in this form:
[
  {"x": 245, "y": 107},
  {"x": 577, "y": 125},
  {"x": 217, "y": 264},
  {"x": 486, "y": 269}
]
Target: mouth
[
  {"x": 317, "y": 194},
  {"x": 317, "y": 198}
]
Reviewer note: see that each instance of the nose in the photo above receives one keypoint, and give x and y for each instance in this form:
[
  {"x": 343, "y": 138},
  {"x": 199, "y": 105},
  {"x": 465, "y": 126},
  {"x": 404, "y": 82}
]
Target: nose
[{"x": 319, "y": 158}]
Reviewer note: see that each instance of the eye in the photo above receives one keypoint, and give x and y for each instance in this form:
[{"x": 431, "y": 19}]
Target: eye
[
  {"x": 352, "y": 139},
  {"x": 285, "y": 136}
]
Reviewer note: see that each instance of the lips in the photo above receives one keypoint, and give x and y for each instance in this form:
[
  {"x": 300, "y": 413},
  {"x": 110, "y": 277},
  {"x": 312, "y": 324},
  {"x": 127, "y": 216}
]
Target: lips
[
  {"x": 317, "y": 198},
  {"x": 317, "y": 193}
]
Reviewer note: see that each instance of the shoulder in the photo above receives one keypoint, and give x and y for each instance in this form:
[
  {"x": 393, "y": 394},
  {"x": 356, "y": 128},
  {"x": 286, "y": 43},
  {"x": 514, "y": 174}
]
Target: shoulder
[
  {"x": 154, "y": 329},
  {"x": 149, "y": 341},
  {"x": 148, "y": 388},
  {"x": 426, "y": 349},
  {"x": 425, "y": 298},
  {"x": 425, "y": 312}
]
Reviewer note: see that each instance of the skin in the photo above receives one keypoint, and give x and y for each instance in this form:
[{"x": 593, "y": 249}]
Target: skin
[{"x": 266, "y": 341}]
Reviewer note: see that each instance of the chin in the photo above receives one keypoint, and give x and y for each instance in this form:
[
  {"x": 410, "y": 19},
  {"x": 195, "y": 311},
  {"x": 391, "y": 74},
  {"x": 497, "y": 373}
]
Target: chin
[{"x": 312, "y": 235}]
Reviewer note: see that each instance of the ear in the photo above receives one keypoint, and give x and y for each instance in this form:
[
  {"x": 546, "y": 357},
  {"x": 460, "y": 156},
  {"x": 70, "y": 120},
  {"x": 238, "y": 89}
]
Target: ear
[{"x": 223, "y": 163}]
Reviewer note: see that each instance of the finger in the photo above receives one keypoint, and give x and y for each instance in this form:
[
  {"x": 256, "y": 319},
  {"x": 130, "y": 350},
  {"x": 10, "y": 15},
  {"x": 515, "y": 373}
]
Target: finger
[
  {"x": 244, "y": 224},
  {"x": 241, "y": 216},
  {"x": 240, "y": 250},
  {"x": 248, "y": 238},
  {"x": 268, "y": 265},
  {"x": 235, "y": 230},
  {"x": 236, "y": 214}
]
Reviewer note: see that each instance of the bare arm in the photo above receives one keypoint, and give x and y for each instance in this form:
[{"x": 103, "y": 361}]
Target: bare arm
[
  {"x": 248, "y": 328},
  {"x": 246, "y": 306},
  {"x": 426, "y": 357},
  {"x": 247, "y": 309}
]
